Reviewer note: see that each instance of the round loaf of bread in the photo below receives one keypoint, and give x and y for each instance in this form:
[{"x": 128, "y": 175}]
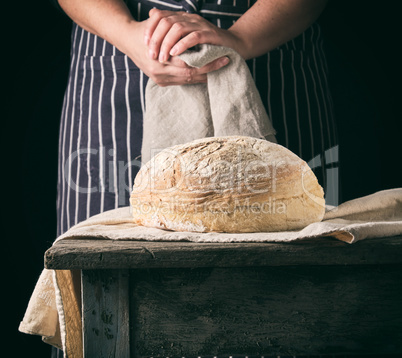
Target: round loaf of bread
[{"x": 227, "y": 184}]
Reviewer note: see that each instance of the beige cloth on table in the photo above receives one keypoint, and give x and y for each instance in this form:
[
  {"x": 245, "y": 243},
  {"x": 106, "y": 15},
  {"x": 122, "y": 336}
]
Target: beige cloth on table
[
  {"x": 229, "y": 104},
  {"x": 54, "y": 310}
]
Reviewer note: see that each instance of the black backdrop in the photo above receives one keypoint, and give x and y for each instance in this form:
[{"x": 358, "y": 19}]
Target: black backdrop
[{"x": 363, "y": 40}]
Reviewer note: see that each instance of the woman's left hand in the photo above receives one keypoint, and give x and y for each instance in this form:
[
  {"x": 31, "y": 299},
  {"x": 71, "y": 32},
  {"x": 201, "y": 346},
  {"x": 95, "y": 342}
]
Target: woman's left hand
[{"x": 170, "y": 33}]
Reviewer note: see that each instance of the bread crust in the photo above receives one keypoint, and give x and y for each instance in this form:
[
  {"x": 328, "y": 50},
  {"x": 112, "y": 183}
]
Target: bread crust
[{"x": 227, "y": 184}]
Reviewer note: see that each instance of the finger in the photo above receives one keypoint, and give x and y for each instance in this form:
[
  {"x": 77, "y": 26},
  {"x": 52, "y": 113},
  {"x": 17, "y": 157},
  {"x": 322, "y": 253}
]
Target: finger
[
  {"x": 192, "y": 39},
  {"x": 155, "y": 16},
  {"x": 177, "y": 62},
  {"x": 159, "y": 33},
  {"x": 214, "y": 65},
  {"x": 177, "y": 31},
  {"x": 151, "y": 24},
  {"x": 177, "y": 72},
  {"x": 179, "y": 81},
  {"x": 184, "y": 74},
  {"x": 162, "y": 13},
  {"x": 176, "y": 75}
]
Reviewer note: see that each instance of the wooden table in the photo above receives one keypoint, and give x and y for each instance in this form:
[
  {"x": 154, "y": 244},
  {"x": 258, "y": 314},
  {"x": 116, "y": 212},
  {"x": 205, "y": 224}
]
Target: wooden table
[{"x": 181, "y": 299}]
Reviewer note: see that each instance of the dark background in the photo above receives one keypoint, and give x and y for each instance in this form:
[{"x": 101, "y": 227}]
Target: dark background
[{"x": 363, "y": 40}]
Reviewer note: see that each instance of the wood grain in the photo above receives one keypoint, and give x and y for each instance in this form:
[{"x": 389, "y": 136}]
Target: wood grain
[
  {"x": 267, "y": 311},
  {"x": 102, "y": 254},
  {"x": 105, "y": 308},
  {"x": 182, "y": 299}
]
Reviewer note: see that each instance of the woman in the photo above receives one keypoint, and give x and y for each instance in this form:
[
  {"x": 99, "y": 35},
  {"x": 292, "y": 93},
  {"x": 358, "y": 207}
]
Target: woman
[{"x": 117, "y": 45}]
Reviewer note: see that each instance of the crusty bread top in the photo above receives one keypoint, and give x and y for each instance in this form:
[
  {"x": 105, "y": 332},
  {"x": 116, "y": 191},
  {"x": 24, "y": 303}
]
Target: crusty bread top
[{"x": 222, "y": 174}]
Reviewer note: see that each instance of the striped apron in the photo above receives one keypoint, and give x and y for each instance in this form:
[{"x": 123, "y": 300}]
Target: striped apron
[{"x": 101, "y": 121}]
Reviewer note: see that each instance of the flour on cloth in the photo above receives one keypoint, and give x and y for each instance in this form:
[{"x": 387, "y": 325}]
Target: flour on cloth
[
  {"x": 229, "y": 104},
  {"x": 55, "y": 303}
]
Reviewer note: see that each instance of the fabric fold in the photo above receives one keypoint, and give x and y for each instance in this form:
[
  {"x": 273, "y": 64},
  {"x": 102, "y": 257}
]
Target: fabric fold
[
  {"x": 228, "y": 104},
  {"x": 41, "y": 316},
  {"x": 55, "y": 303}
]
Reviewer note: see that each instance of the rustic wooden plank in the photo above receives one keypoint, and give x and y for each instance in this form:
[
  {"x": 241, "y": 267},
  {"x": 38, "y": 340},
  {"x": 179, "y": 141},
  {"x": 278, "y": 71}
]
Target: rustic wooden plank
[
  {"x": 105, "y": 307},
  {"x": 101, "y": 254},
  {"x": 248, "y": 311}
]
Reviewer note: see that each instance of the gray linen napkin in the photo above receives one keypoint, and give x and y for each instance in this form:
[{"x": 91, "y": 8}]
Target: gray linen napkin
[
  {"x": 373, "y": 216},
  {"x": 229, "y": 104}
]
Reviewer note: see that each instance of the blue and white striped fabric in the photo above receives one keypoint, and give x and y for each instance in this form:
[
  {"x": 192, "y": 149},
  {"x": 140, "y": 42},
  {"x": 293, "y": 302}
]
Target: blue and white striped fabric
[{"x": 101, "y": 121}]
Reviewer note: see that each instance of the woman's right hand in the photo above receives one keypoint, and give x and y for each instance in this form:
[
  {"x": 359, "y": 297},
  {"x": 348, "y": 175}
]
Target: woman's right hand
[
  {"x": 171, "y": 72},
  {"x": 112, "y": 21}
]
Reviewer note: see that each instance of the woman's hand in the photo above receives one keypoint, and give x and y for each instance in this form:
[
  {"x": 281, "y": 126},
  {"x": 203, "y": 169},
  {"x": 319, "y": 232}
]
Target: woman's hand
[
  {"x": 172, "y": 71},
  {"x": 265, "y": 26},
  {"x": 112, "y": 21},
  {"x": 170, "y": 33}
]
